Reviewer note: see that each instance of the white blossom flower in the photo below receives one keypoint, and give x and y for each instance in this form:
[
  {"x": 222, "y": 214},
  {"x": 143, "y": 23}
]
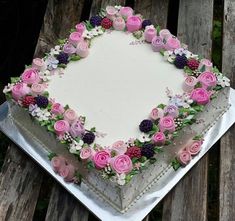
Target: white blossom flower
[
  {"x": 118, "y": 7},
  {"x": 144, "y": 138},
  {"x": 8, "y": 88},
  {"x": 223, "y": 81},
  {"x": 121, "y": 179},
  {"x": 55, "y": 51},
  {"x": 97, "y": 31},
  {"x": 45, "y": 75},
  {"x": 180, "y": 51},
  {"x": 169, "y": 56},
  {"x": 100, "y": 134},
  {"x": 87, "y": 34},
  {"x": 43, "y": 115},
  {"x": 75, "y": 146}
]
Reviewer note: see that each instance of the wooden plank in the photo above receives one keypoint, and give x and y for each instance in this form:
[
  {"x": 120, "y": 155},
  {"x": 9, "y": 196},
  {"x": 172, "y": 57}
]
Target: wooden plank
[
  {"x": 154, "y": 10},
  {"x": 227, "y": 150},
  {"x": 63, "y": 206},
  {"x": 98, "y": 4},
  {"x": 20, "y": 182},
  {"x": 188, "y": 200},
  {"x": 59, "y": 18}
]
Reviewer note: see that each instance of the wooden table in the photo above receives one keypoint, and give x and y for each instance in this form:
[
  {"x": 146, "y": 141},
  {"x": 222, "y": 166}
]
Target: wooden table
[{"x": 22, "y": 181}]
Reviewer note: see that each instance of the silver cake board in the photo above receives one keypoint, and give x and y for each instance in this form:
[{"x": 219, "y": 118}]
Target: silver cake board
[{"x": 97, "y": 206}]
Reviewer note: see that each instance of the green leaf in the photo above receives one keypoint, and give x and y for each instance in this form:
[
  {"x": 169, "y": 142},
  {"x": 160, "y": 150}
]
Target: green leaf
[
  {"x": 78, "y": 177},
  {"x": 66, "y": 107},
  {"x": 158, "y": 29},
  {"x": 168, "y": 142},
  {"x": 152, "y": 160},
  {"x": 187, "y": 70},
  {"x": 90, "y": 165},
  {"x": 218, "y": 88},
  {"x": 203, "y": 68},
  {"x": 93, "y": 129},
  {"x": 175, "y": 164},
  {"x": 50, "y": 128},
  {"x": 51, "y": 155},
  {"x": 138, "y": 143},
  {"x": 175, "y": 134},
  {"x": 74, "y": 57},
  {"x": 198, "y": 137},
  {"x": 158, "y": 150},
  {"x": 143, "y": 159},
  {"x": 72, "y": 30},
  {"x": 62, "y": 41},
  {"x": 88, "y": 25},
  {"x": 134, "y": 160},
  {"x": 162, "y": 106},
  {"x": 15, "y": 80},
  {"x": 46, "y": 94},
  {"x": 162, "y": 52},
  {"x": 199, "y": 108},
  {"x": 62, "y": 65}
]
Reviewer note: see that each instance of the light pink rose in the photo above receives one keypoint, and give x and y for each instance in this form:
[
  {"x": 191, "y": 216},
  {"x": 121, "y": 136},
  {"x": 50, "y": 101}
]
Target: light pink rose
[
  {"x": 206, "y": 63},
  {"x": 101, "y": 159},
  {"x": 189, "y": 83},
  {"x": 111, "y": 12},
  {"x": 86, "y": 153},
  {"x": 200, "y": 96},
  {"x": 20, "y": 90},
  {"x": 119, "y": 24},
  {"x": 157, "y": 44},
  {"x": 159, "y": 138},
  {"x": 57, "y": 163},
  {"x": 69, "y": 49},
  {"x": 67, "y": 172},
  {"x": 121, "y": 164},
  {"x": 61, "y": 126},
  {"x": 172, "y": 44},
  {"x": 194, "y": 147},
  {"x": 167, "y": 124},
  {"x": 30, "y": 76},
  {"x": 82, "y": 49},
  {"x": 39, "y": 64},
  {"x": 207, "y": 79},
  {"x": 37, "y": 89},
  {"x": 133, "y": 23},
  {"x": 156, "y": 113},
  {"x": 70, "y": 116},
  {"x": 149, "y": 33},
  {"x": 119, "y": 147},
  {"x": 171, "y": 110},
  {"x": 126, "y": 12},
  {"x": 75, "y": 38},
  {"x": 77, "y": 129},
  {"x": 57, "y": 108},
  {"x": 184, "y": 157},
  {"x": 165, "y": 34},
  {"x": 80, "y": 28}
]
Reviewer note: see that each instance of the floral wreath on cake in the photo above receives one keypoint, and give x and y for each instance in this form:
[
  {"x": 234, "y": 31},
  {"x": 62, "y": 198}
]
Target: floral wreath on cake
[{"x": 123, "y": 159}]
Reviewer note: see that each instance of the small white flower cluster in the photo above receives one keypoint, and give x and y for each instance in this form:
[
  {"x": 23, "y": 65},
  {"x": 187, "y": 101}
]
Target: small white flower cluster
[
  {"x": 75, "y": 146},
  {"x": 93, "y": 33},
  {"x": 55, "y": 51},
  {"x": 38, "y": 113},
  {"x": 45, "y": 75},
  {"x": 8, "y": 88},
  {"x": 222, "y": 80}
]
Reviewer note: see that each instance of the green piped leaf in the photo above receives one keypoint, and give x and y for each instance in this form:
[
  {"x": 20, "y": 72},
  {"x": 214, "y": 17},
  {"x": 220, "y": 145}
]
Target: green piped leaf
[
  {"x": 162, "y": 106},
  {"x": 15, "y": 80},
  {"x": 51, "y": 155},
  {"x": 74, "y": 57},
  {"x": 175, "y": 164}
]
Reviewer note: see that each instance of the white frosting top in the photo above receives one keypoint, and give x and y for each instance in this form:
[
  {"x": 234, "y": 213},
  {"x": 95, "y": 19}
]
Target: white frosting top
[{"x": 116, "y": 86}]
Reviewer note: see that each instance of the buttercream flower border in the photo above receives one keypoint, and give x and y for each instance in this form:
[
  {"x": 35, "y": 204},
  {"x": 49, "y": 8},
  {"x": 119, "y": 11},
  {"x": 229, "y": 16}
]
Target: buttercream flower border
[{"x": 201, "y": 85}]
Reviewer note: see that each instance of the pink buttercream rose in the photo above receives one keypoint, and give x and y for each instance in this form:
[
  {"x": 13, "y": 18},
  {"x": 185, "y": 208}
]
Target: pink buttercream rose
[
  {"x": 70, "y": 116},
  {"x": 133, "y": 23},
  {"x": 205, "y": 63},
  {"x": 19, "y": 90},
  {"x": 75, "y": 38},
  {"x": 167, "y": 124},
  {"x": 111, "y": 12},
  {"x": 77, "y": 129},
  {"x": 61, "y": 126},
  {"x": 149, "y": 33},
  {"x": 67, "y": 172},
  {"x": 80, "y": 28},
  {"x": 82, "y": 49},
  {"x": 30, "y": 76},
  {"x": 119, "y": 24},
  {"x": 101, "y": 159},
  {"x": 157, "y": 44},
  {"x": 200, "y": 96},
  {"x": 156, "y": 113},
  {"x": 171, "y": 110},
  {"x": 121, "y": 164},
  {"x": 194, "y": 147},
  {"x": 57, "y": 109},
  {"x": 57, "y": 163},
  {"x": 69, "y": 49},
  {"x": 126, "y": 12},
  {"x": 184, "y": 157},
  {"x": 165, "y": 34},
  {"x": 159, "y": 138},
  {"x": 39, "y": 64},
  {"x": 207, "y": 79},
  {"x": 172, "y": 43},
  {"x": 189, "y": 83},
  {"x": 86, "y": 153},
  {"x": 119, "y": 147},
  {"x": 37, "y": 89}
]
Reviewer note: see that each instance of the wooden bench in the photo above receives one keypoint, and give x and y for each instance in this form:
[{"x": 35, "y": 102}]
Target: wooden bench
[{"x": 22, "y": 181}]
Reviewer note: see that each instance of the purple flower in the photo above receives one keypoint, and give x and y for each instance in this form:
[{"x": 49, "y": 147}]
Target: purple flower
[
  {"x": 77, "y": 129},
  {"x": 52, "y": 63},
  {"x": 171, "y": 110},
  {"x": 69, "y": 49}
]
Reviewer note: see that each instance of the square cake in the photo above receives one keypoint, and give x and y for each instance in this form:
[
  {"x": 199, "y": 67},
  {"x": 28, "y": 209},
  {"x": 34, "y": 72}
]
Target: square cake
[{"x": 117, "y": 104}]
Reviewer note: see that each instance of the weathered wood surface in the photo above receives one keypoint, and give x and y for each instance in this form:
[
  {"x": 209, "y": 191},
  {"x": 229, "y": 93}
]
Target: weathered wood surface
[
  {"x": 188, "y": 200},
  {"x": 155, "y": 10},
  {"x": 60, "y": 17},
  {"x": 20, "y": 182},
  {"x": 227, "y": 148},
  {"x": 63, "y": 206}
]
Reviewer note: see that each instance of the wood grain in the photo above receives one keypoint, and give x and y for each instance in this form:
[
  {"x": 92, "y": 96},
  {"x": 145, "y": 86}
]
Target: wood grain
[
  {"x": 156, "y": 11},
  {"x": 20, "y": 182},
  {"x": 188, "y": 200},
  {"x": 60, "y": 17},
  {"x": 63, "y": 206},
  {"x": 227, "y": 150}
]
